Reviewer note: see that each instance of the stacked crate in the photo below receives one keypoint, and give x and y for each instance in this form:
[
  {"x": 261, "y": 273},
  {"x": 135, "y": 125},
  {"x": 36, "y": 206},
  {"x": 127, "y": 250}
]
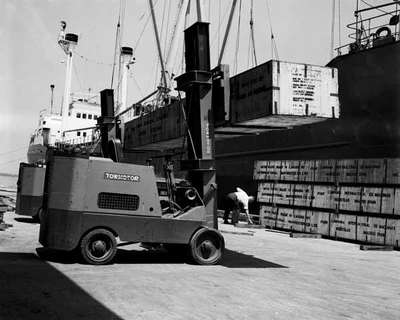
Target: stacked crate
[{"x": 353, "y": 199}]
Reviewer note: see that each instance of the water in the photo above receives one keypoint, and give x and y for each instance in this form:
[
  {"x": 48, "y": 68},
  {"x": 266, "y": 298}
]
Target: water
[{"x": 8, "y": 181}]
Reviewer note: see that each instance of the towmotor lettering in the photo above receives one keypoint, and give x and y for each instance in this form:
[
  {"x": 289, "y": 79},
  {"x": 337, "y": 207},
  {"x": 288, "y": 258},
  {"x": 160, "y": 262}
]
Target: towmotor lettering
[{"x": 121, "y": 177}]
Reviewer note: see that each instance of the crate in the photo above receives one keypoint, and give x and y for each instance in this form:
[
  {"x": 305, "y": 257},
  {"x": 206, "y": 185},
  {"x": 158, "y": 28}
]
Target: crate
[
  {"x": 371, "y": 200},
  {"x": 279, "y": 88},
  {"x": 302, "y": 195},
  {"x": 371, "y": 230},
  {"x": 350, "y": 198},
  {"x": 393, "y": 171},
  {"x": 346, "y": 170},
  {"x": 317, "y": 222},
  {"x": 284, "y": 218},
  {"x": 289, "y": 170},
  {"x": 260, "y": 168},
  {"x": 371, "y": 171},
  {"x": 326, "y": 197},
  {"x": 325, "y": 171},
  {"x": 298, "y": 220},
  {"x": 388, "y": 196},
  {"x": 282, "y": 194},
  {"x": 273, "y": 170},
  {"x": 265, "y": 192},
  {"x": 268, "y": 216},
  {"x": 307, "y": 170},
  {"x": 343, "y": 226},
  {"x": 392, "y": 234}
]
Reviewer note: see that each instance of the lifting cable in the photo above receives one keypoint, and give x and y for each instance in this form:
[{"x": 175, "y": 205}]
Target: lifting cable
[
  {"x": 252, "y": 32},
  {"x": 117, "y": 33},
  {"x": 274, "y": 48},
  {"x": 339, "y": 24},
  {"x": 235, "y": 65},
  {"x": 333, "y": 29}
]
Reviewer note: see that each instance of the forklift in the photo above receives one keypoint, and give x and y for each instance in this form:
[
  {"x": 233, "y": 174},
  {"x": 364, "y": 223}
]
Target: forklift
[{"x": 93, "y": 204}]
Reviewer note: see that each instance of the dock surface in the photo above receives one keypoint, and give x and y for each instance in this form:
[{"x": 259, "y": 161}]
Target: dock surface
[{"x": 265, "y": 276}]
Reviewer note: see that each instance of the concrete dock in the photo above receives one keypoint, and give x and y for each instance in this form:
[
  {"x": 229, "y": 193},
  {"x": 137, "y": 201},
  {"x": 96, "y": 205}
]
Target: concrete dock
[{"x": 264, "y": 275}]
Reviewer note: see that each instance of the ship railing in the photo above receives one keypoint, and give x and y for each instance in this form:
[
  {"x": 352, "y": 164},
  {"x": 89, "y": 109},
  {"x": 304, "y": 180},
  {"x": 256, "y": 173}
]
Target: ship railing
[{"x": 364, "y": 29}]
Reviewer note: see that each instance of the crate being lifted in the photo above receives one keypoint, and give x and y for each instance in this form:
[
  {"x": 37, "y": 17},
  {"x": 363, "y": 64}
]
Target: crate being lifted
[{"x": 279, "y": 93}]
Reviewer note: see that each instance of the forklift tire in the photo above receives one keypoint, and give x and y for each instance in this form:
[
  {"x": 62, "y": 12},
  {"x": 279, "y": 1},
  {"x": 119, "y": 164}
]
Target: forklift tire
[
  {"x": 98, "y": 247},
  {"x": 206, "y": 246}
]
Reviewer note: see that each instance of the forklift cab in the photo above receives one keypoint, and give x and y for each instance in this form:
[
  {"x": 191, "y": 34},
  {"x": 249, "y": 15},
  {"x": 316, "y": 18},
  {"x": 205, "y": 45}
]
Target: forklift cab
[{"x": 90, "y": 204}]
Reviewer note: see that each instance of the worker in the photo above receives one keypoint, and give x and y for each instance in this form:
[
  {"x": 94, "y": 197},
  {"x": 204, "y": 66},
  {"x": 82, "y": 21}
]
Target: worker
[{"x": 236, "y": 202}]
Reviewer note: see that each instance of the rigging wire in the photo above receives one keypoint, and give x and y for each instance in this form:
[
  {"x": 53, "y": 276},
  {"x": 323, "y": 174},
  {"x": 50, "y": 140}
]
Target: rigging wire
[
  {"x": 219, "y": 28},
  {"x": 116, "y": 44},
  {"x": 274, "y": 48},
  {"x": 92, "y": 60},
  {"x": 333, "y": 29},
  {"x": 252, "y": 33},
  {"x": 339, "y": 23},
  {"x": 235, "y": 65}
]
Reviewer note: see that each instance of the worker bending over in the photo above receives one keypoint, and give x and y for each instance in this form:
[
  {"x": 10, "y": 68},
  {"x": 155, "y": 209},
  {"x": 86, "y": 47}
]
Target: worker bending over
[{"x": 236, "y": 202}]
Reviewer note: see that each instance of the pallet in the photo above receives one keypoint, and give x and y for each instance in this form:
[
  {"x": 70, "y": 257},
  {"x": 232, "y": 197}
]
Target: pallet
[
  {"x": 305, "y": 235},
  {"x": 365, "y": 247}
]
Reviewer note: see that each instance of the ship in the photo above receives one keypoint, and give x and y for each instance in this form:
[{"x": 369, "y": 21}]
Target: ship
[{"x": 75, "y": 125}]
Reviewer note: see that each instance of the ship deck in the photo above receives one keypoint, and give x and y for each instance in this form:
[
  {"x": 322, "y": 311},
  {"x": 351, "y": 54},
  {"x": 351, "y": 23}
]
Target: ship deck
[{"x": 266, "y": 275}]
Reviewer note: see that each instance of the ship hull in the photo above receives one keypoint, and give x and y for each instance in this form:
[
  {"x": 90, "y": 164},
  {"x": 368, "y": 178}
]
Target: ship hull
[{"x": 36, "y": 153}]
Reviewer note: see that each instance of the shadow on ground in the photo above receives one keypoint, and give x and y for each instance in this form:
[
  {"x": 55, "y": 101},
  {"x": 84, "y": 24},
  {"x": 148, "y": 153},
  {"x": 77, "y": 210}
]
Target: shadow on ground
[
  {"x": 32, "y": 289},
  {"x": 231, "y": 259}
]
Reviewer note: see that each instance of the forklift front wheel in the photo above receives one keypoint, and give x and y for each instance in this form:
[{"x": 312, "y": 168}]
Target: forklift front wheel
[
  {"x": 207, "y": 246},
  {"x": 98, "y": 247}
]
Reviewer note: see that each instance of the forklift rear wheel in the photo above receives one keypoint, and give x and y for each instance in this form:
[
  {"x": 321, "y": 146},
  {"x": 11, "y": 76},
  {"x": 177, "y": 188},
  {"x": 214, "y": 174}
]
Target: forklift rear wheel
[
  {"x": 207, "y": 246},
  {"x": 98, "y": 247}
]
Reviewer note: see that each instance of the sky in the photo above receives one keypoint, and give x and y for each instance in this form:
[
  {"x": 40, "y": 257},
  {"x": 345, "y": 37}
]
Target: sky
[{"x": 31, "y": 60}]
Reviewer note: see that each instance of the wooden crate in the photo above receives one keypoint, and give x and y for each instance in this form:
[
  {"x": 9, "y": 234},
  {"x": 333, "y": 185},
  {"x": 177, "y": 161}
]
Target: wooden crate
[
  {"x": 326, "y": 197},
  {"x": 392, "y": 237},
  {"x": 289, "y": 170},
  {"x": 393, "y": 171},
  {"x": 371, "y": 200},
  {"x": 268, "y": 216},
  {"x": 265, "y": 192},
  {"x": 388, "y": 196},
  {"x": 346, "y": 170},
  {"x": 371, "y": 171},
  {"x": 284, "y": 216},
  {"x": 307, "y": 170},
  {"x": 260, "y": 169},
  {"x": 273, "y": 170},
  {"x": 317, "y": 222},
  {"x": 396, "y": 209},
  {"x": 283, "y": 194},
  {"x": 325, "y": 171},
  {"x": 298, "y": 220},
  {"x": 350, "y": 198},
  {"x": 343, "y": 226},
  {"x": 371, "y": 230},
  {"x": 302, "y": 195}
]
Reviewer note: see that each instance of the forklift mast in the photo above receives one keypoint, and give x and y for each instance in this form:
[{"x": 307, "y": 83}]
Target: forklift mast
[{"x": 197, "y": 84}]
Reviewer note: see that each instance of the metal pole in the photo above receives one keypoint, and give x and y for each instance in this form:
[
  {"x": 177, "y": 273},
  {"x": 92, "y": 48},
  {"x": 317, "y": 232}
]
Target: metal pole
[
  {"x": 51, "y": 98},
  {"x": 67, "y": 90},
  {"x": 200, "y": 10},
  {"x": 228, "y": 27},
  {"x": 333, "y": 28},
  {"x": 158, "y": 43}
]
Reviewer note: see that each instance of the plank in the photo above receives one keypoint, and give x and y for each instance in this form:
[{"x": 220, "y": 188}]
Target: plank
[
  {"x": 326, "y": 197},
  {"x": 350, "y": 198},
  {"x": 273, "y": 170},
  {"x": 307, "y": 170},
  {"x": 393, "y": 171},
  {"x": 289, "y": 170},
  {"x": 371, "y": 200},
  {"x": 325, "y": 171},
  {"x": 302, "y": 195},
  {"x": 268, "y": 216}
]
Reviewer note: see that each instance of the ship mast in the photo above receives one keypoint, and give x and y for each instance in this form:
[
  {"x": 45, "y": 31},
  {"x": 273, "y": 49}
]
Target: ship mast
[{"x": 67, "y": 42}]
